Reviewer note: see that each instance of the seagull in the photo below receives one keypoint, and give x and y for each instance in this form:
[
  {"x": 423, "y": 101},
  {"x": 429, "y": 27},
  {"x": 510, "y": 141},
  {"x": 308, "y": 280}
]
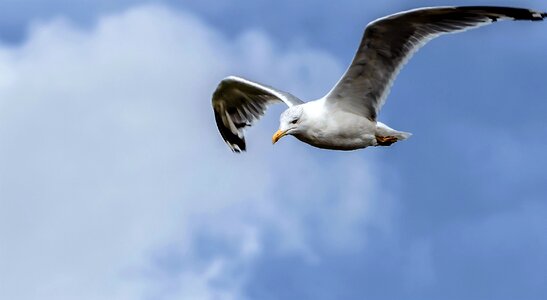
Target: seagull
[{"x": 346, "y": 118}]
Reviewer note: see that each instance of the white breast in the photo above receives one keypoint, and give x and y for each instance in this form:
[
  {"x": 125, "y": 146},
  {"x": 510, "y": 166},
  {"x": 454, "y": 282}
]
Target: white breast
[{"x": 330, "y": 128}]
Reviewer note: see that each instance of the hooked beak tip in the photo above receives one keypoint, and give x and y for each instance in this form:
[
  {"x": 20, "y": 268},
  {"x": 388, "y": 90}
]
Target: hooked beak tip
[{"x": 278, "y": 135}]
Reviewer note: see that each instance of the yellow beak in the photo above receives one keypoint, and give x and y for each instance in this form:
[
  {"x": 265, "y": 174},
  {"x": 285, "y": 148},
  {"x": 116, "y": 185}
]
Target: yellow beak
[{"x": 277, "y": 135}]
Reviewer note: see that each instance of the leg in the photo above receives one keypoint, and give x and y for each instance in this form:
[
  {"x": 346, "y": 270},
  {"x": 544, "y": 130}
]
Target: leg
[{"x": 385, "y": 140}]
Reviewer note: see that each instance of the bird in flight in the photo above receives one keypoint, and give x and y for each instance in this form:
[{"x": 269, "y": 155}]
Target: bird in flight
[{"x": 346, "y": 118}]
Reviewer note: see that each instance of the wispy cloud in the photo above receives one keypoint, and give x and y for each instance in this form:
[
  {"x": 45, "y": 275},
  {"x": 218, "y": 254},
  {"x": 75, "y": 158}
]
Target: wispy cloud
[{"x": 115, "y": 184}]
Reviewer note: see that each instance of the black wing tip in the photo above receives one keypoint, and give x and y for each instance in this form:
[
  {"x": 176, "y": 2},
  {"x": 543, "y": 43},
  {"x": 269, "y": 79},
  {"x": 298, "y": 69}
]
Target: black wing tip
[
  {"x": 236, "y": 144},
  {"x": 237, "y": 148},
  {"x": 515, "y": 13},
  {"x": 538, "y": 15},
  {"x": 237, "y": 151}
]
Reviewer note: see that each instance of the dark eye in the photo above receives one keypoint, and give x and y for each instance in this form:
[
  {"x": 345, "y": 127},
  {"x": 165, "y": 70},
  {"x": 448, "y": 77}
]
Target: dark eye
[{"x": 294, "y": 121}]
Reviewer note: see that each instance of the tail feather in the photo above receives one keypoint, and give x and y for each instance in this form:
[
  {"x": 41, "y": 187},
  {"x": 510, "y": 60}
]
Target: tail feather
[
  {"x": 384, "y": 130},
  {"x": 401, "y": 135}
]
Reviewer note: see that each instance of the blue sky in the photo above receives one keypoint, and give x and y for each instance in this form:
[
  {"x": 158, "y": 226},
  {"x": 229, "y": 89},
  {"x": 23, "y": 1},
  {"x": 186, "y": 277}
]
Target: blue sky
[{"x": 114, "y": 183}]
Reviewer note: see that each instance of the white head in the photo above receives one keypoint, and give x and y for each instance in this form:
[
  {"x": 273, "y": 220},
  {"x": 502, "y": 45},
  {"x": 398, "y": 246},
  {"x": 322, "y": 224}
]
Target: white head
[{"x": 290, "y": 122}]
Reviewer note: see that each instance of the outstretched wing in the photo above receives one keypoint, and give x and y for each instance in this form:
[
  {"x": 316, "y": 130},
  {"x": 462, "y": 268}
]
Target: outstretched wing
[
  {"x": 388, "y": 43},
  {"x": 238, "y": 102}
]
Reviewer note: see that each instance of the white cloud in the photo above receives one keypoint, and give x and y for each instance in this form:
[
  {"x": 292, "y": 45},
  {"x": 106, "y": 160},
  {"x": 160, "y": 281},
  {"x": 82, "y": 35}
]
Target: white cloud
[{"x": 112, "y": 169}]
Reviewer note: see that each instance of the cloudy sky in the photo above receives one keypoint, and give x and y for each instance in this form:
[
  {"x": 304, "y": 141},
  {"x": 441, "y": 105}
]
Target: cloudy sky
[{"x": 114, "y": 183}]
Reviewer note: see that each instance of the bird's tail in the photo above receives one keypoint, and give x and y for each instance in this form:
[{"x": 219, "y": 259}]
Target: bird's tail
[
  {"x": 384, "y": 130},
  {"x": 401, "y": 135}
]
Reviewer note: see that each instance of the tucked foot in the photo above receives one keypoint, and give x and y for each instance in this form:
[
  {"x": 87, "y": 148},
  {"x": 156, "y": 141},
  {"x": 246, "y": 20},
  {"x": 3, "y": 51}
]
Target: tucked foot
[{"x": 385, "y": 140}]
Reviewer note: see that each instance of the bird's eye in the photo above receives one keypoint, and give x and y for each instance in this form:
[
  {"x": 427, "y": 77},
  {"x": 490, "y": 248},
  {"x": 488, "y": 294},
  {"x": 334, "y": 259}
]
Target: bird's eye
[{"x": 294, "y": 121}]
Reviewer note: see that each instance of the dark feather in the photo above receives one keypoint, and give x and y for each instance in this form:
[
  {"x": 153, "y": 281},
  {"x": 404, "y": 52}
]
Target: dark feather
[{"x": 238, "y": 102}]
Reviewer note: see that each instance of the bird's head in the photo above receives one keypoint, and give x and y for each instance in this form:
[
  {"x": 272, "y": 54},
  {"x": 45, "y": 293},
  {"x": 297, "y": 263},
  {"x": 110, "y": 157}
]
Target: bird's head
[{"x": 290, "y": 122}]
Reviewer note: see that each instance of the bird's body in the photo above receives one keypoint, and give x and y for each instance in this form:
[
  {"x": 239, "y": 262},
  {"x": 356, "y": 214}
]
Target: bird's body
[
  {"x": 342, "y": 130},
  {"x": 346, "y": 118}
]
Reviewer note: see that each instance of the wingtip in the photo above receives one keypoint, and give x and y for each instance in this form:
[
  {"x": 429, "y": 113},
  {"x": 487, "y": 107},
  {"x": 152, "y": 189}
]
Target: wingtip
[
  {"x": 238, "y": 147},
  {"x": 538, "y": 15},
  {"x": 238, "y": 151},
  {"x": 233, "y": 140}
]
